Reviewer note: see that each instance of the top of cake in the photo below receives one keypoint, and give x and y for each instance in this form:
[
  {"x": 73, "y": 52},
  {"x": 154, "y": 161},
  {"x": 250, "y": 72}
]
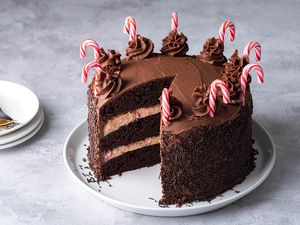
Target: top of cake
[{"x": 206, "y": 89}]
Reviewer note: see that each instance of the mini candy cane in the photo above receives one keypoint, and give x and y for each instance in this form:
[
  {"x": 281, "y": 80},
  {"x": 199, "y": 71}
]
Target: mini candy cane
[
  {"x": 165, "y": 107},
  {"x": 130, "y": 28},
  {"x": 245, "y": 74},
  {"x": 213, "y": 95},
  {"x": 87, "y": 67},
  {"x": 174, "y": 21},
  {"x": 89, "y": 43},
  {"x": 222, "y": 30},
  {"x": 249, "y": 47}
]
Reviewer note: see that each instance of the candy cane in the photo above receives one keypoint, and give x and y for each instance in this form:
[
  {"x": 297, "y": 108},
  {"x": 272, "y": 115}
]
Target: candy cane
[
  {"x": 87, "y": 66},
  {"x": 174, "y": 21},
  {"x": 222, "y": 30},
  {"x": 89, "y": 43},
  {"x": 213, "y": 95},
  {"x": 249, "y": 47},
  {"x": 130, "y": 28},
  {"x": 165, "y": 107},
  {"x": 245, "y": 74}
]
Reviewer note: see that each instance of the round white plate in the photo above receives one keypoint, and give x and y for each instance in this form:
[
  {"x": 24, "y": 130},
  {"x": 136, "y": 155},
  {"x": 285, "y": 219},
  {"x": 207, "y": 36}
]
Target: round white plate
[
  {"x": 18, "y": 102},
  {"x": 25, "y": 138},
  {"x": 138, "y": 191},
  {"x": 5, "y": 139}
]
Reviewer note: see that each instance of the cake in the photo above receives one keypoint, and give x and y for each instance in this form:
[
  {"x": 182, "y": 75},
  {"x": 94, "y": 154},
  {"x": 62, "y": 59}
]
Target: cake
[{"x": 203, "y": 145}]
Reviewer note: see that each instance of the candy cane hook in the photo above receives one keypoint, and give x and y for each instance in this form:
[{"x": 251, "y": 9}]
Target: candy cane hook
[
  {"x": 213, "y": 95},
  {"x": 230, "y": 26},
  {"x": 245, "y": 74},
  {"x": 249, "y": 47},
  {"x": 174, "y": 21},
  {"x": 87, "y": 66},
  {"x": 89, "y": 43},
  {"x": 130, "y": 28}
]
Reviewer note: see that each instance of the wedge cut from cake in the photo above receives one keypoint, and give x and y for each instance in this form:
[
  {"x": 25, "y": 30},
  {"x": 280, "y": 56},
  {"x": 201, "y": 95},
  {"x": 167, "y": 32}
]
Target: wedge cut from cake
[{"x": 202, "y": 151}]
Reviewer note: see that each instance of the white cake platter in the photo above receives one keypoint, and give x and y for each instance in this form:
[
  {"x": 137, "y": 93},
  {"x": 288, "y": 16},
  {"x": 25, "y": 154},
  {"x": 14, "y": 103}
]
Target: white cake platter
[{"x": 138, "y": 191}]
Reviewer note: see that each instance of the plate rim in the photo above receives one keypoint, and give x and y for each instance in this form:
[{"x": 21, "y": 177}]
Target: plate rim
[
  {"x": 3, "y": 133},
  {"x": 138, "y": 209},
  {"x": 25, "y": 138}
]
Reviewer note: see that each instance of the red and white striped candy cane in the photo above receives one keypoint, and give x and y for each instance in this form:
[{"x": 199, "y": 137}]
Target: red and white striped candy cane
[
  {"x": 245, "y": 74},
  {"x": 130, "y": 28},
  {"x": 165, "y": 107},
  {"x": 222, "y": 30},
  {"x": 249, "y": 47},
  {"x": 213, "y": 95},
  {"x": 87, "y": 66},
  {"x": 174, "y": 21},
  {"x": 89, "y": 43}
]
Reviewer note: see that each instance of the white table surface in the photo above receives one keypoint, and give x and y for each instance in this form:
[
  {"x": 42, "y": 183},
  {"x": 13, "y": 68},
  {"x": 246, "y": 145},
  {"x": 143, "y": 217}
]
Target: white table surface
[{"x": 40, "y": 49}]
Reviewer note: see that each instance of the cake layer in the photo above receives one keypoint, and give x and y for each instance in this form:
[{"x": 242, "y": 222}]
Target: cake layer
[
  {"x": 143, "y": 157},
  {"x": 131, "y": 147},
  {"x": 214, "y": 158},
  {"x": 135, "y": 131},
  {"x": 145, "y": 94},
  {"x": 118, "y": 121}
]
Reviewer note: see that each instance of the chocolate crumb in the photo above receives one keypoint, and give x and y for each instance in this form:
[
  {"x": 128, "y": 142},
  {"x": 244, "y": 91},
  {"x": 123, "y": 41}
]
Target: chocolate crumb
[
  {"x": 84, "y": 159},
  {"x": 152, "y": 199}
]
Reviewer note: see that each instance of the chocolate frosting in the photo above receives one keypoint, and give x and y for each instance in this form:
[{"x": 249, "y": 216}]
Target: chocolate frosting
[
  {"x": 188, "y": 71},
  {"x": 110, "y": 62},
  {"x": 140, "y": 48},
  {"x": 108, "y": 84},
  {"x": 200, "y": 98},
  {"x": 232, "y": 75},
  {"x": 213, "y": 52},
  {"x": 175, "y": 44},
  {"x": 176, "y": 111}
]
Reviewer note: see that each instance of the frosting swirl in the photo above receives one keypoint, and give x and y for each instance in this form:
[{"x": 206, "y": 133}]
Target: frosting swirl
[
  {"x": 200, "y": 98},
  {"x": 175, "y": 44},
  {"x": 175, "y": 108},
  {"x": 110, "y": 62},
  {"x": 108, "y": 85},
  {"x": 232, "y": 75},
  {"x": 213, "y": 52},
  {"x": 140, "y": 48}
]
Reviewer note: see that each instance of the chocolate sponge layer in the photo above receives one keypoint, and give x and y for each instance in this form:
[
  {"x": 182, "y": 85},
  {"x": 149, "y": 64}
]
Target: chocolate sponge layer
[{"x": 143, "y": 157}]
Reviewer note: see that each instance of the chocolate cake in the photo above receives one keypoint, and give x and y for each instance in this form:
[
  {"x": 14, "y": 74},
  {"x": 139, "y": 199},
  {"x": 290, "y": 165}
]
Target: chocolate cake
[{"x": 200, "y": 156}]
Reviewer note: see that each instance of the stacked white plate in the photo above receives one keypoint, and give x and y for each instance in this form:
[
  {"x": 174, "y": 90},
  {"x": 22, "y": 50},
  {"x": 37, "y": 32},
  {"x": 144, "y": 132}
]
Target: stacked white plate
[{"x": 22, "y": 105}]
